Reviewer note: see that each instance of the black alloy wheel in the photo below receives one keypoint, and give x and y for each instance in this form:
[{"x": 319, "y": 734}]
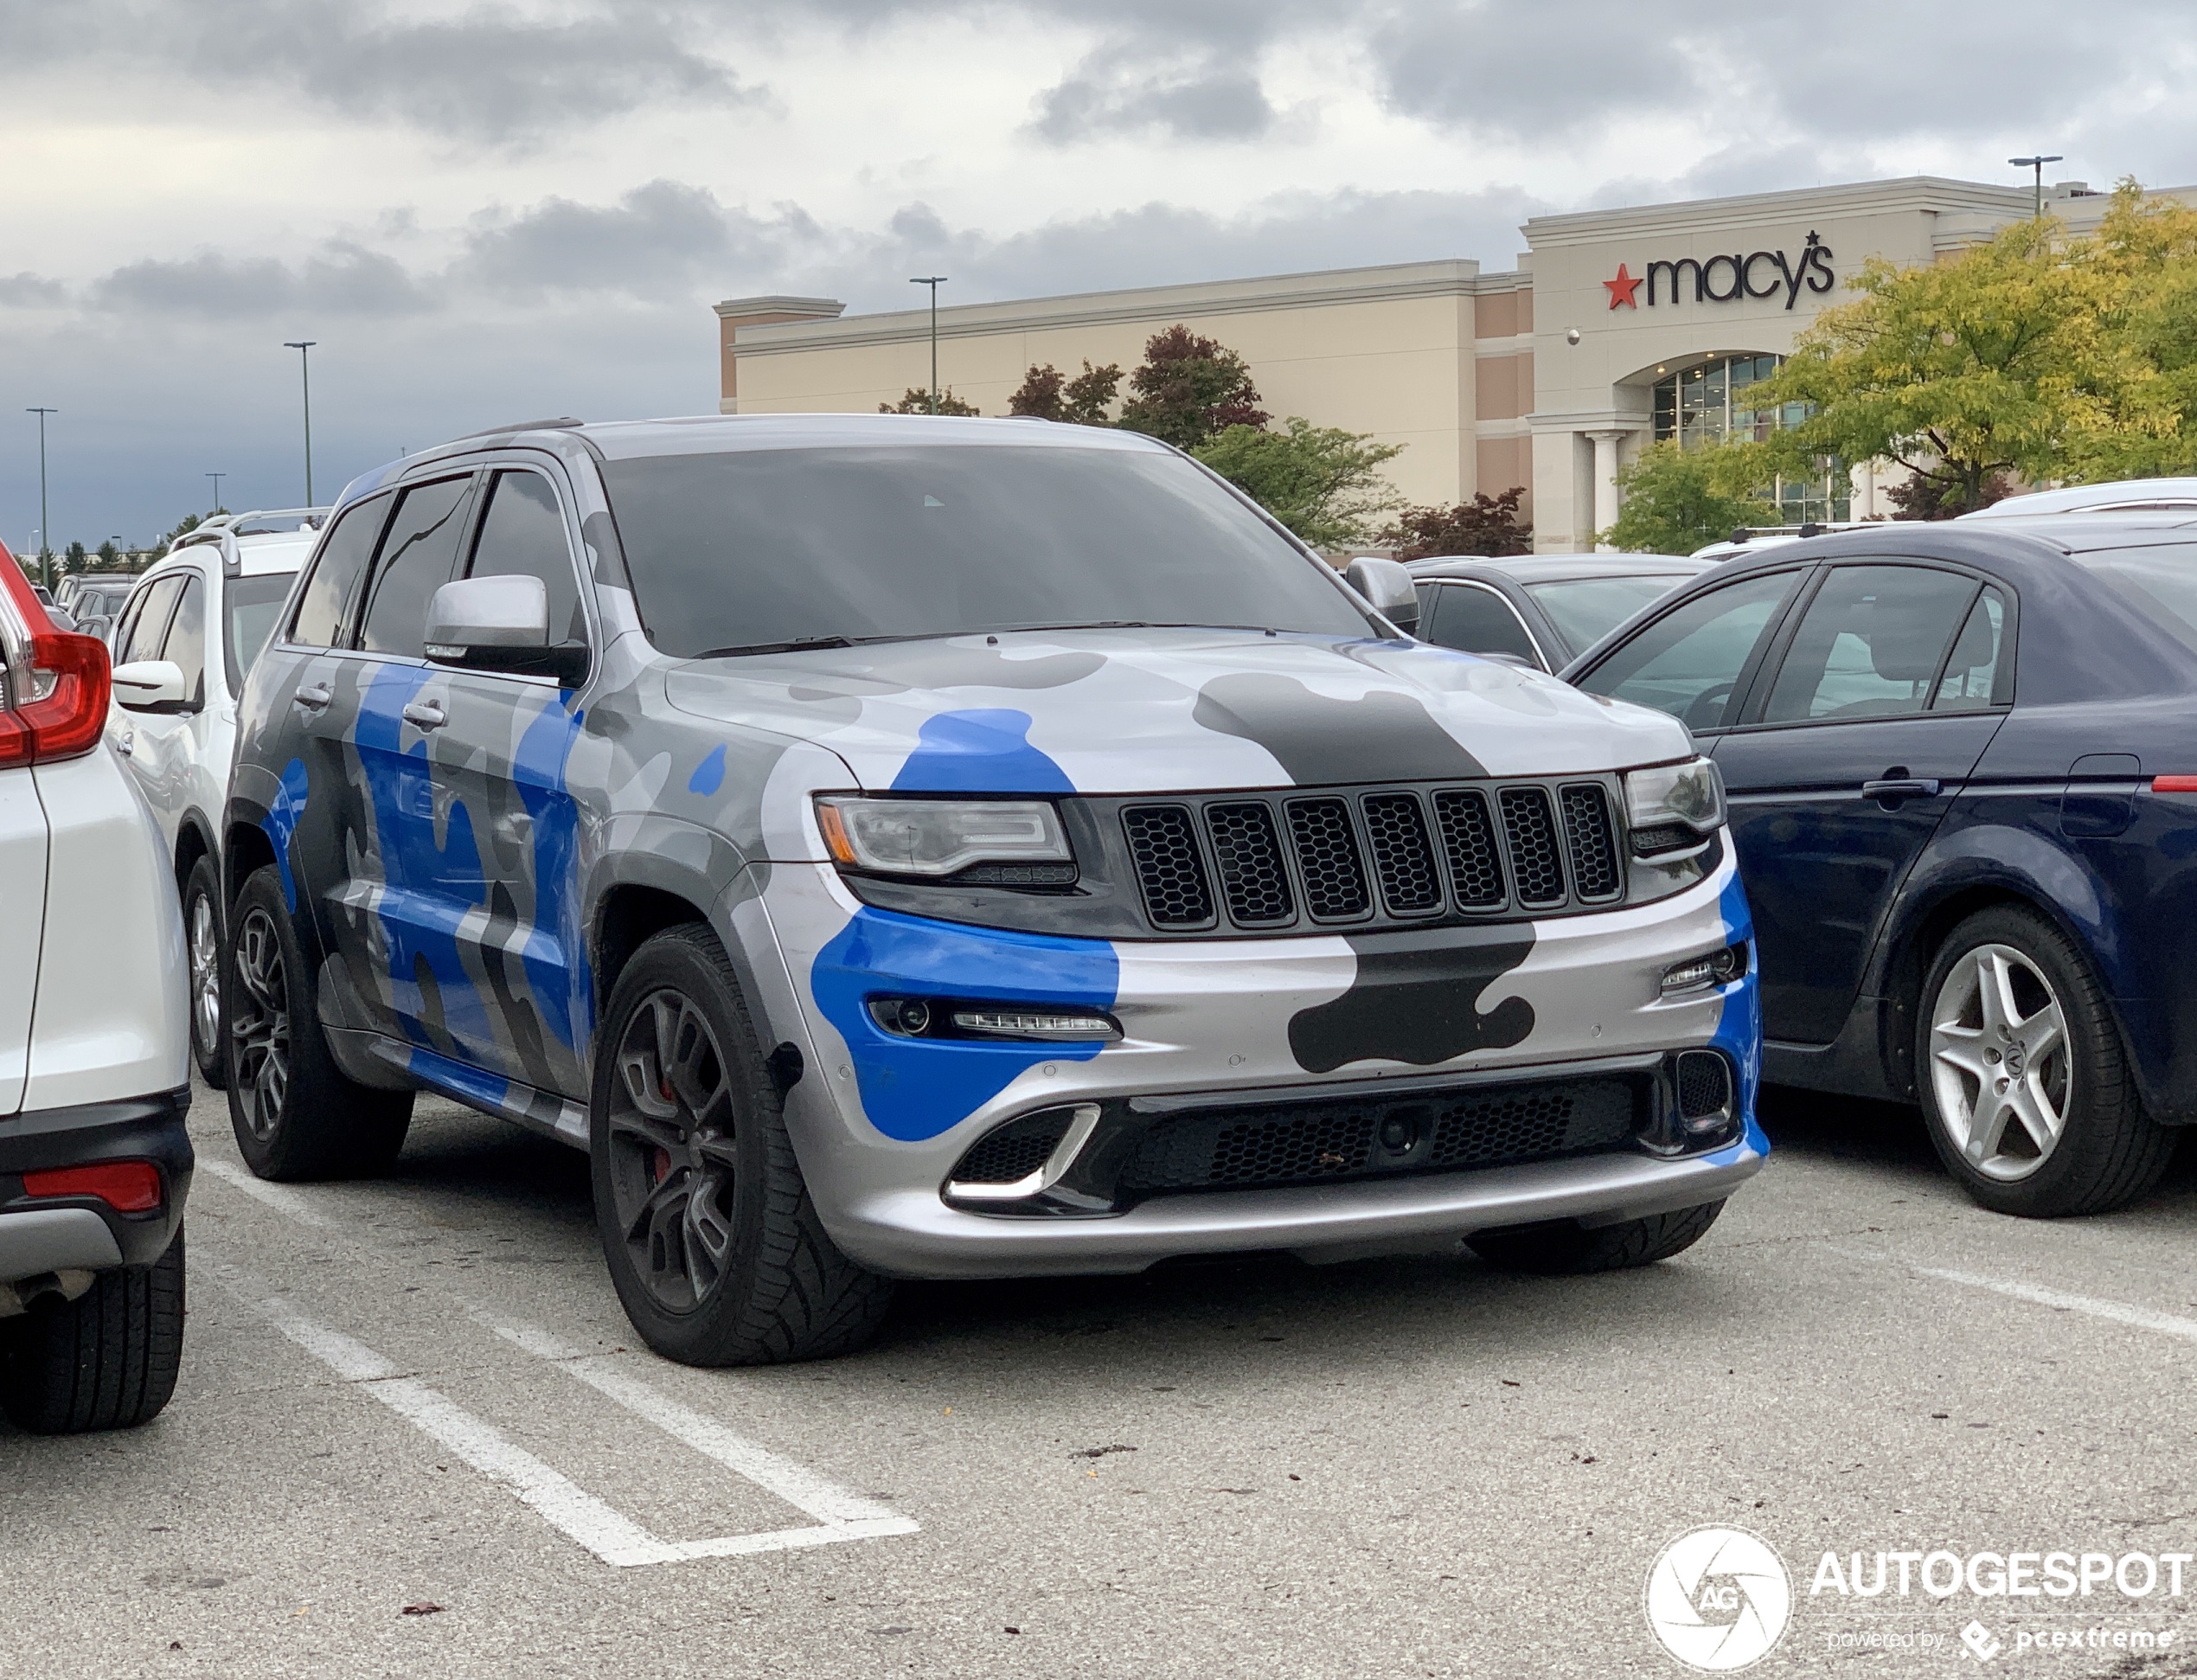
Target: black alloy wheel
[
  {"x": 202, "y": 939},
  {"x": 674, "y": 1155},
  {"x": 713, "y": 1244},
  {"x": 259, "y": 1025}
]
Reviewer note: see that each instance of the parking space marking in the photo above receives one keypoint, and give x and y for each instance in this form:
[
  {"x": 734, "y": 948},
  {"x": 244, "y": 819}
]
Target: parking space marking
[
  {"x": 842, "y": 1515},
  {"x": 2139, "y": 1317}
]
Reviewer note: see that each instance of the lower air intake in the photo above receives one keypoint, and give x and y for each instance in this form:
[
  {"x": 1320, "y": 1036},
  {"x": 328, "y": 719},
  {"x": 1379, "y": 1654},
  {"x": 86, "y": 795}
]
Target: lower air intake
[
  {"x": 1014, "y": 1151},
  {"x": 1704, "y": 1085}
]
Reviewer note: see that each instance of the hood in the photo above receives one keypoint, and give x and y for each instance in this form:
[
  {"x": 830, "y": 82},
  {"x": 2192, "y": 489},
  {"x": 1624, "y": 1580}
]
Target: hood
[{"x": 1171, "y": 711}]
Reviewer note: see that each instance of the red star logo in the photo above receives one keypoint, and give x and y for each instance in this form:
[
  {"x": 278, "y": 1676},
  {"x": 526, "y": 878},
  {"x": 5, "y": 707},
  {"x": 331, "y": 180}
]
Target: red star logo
[{"x": 1623, "y": 287}]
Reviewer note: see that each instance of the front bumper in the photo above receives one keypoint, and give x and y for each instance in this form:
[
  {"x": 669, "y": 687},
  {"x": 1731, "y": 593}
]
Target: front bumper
[
  {"x": 915, "y": 1234},
  {"x": 57, "y": 1234}
]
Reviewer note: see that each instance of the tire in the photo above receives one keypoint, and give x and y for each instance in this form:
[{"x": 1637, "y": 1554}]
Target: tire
[
  {"x": 1567, "y": 1249},
  {"x": 107, "y": 1360},
  {"x": 714, "y": 1245},
  {"x": 1992, "y": 1075},
  {"x": 202, "y": 943},
  {"x": 295, "y": 1114}
]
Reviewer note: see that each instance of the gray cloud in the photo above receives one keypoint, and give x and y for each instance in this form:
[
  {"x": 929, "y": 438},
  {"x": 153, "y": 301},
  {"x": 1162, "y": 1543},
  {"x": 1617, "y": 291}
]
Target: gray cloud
[
  {"x": 341, "y": 278},
  {"x": 488, "y": 74},
  {"x": 1116, "y": 91},
  {"x": 658, "y": 238},
  {"x": 28, "y": 291}
]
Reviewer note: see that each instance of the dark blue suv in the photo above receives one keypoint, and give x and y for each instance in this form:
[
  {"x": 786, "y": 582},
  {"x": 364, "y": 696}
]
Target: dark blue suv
[{"x": 1961, "y": 763}]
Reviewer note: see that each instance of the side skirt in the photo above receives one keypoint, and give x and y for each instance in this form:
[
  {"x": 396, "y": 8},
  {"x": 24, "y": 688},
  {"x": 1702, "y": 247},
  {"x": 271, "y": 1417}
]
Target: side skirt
[{"x": 390, "y": 1064}]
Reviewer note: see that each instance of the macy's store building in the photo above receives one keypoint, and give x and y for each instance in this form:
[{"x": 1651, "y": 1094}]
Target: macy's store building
[{"x": 1615, "y": 329}]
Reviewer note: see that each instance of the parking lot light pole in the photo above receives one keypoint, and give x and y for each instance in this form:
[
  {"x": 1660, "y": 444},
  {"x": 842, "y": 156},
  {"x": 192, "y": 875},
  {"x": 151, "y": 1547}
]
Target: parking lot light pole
[
  {"x": 45, "y": 521},
  {"x": 934, "y": 281},
  {"x": 217, "y": 478},
  {"x": 303, "y": 346},
  {"x": 2038, "y": 164}
]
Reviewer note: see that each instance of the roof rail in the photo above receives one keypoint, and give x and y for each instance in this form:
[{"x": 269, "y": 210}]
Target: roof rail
[{"x": 561, "y": 423}]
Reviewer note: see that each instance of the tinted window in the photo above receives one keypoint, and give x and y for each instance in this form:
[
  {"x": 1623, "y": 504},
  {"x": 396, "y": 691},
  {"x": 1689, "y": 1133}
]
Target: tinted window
[
  {"x": 151, "y": 621},
  {"x": 1688, "y": 662},
  {"x": 252, "y": 603},
  {"x": 1477, "y": 621},
  {"x": 1587, "y": 609},
  {"x": 418, "y": 557},
  {"x": 185, "y": 643},
  {"x": 1870, "y": 643},
  {"x": 324, "y": 609},
  {"x": 1972, "y": 671},
  {"x": 522, "y": 535},
  {"x": 2160, "y": 583},
  {"x": 754, "y": 548}
]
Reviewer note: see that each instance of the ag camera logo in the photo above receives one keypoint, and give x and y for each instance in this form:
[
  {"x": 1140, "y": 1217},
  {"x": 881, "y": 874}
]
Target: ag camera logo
[{"x": 1718, "y": 1599}]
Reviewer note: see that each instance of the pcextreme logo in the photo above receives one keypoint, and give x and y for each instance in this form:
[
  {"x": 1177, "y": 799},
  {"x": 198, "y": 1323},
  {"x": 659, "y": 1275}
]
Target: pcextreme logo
[
  {"x": 1811, "y": 269},
  {"x": 1718, "y": 1599}
]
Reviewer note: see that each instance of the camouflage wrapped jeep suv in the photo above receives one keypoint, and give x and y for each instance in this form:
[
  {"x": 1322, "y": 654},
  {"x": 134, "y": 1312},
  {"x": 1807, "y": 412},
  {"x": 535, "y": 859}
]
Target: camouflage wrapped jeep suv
[{"x": 905, "y": 847}]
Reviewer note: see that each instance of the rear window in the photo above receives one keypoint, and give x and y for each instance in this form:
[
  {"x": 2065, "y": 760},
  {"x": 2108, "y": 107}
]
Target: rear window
[
  {"x": 755, "y": 550},
  {"x": 1587, "y": 609},
  {"x": 2160, "y": 583}
]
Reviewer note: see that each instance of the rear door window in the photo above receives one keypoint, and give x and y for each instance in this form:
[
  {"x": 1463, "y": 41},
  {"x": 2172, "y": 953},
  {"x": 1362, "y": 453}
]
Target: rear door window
[
  {"x": 1870, "y": 643},
  {"x": 323, "y": 609},
  {"x": 522, "y": 535},
  {"x": 418, "y": 555},
  {"x": 1975, "y": 674},
  {"x": 185, "y": 643},
  {"x": 150, "y": 624}
]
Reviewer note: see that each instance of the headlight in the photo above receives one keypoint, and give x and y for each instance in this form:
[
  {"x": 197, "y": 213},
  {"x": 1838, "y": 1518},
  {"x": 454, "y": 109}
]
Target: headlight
[
  {"x": 934, "y": 837},
  {"x": 1669, "y": 807}
]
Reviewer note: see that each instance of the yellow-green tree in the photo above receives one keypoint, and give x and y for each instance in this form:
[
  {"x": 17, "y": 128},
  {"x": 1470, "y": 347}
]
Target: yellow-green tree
[
  {"x": 2004, "y": 358},
  {"x": 2148, "y": 255},
  {"x": 1677, "y": 500}
]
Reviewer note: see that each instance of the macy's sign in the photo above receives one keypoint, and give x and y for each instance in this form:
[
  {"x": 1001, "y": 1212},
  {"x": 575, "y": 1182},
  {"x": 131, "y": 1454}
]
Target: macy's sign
[{"x": 1727, "y": 279}]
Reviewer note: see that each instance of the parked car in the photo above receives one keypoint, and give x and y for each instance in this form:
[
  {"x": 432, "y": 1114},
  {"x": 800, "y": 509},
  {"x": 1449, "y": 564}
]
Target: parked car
[
  {"x": 1962, "y": 784},
  {"x": 94, "y": 1162},
  {"x": 2140, "y": 496},
  {"x": 910, "y": 847},
  {"x": 1544, "y": 610},
  {"x": 96, "y": 602},
  {"x": 182, "y": 648},
  {"x": 66, "y": 590}
]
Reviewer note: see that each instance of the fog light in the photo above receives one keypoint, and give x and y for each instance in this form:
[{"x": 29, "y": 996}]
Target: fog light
[{"x": 1719, "y": 968}]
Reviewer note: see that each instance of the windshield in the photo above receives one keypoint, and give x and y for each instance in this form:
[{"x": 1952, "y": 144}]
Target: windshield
[
  {"x": 252, "y": 605},
  {"x": 1587, "y": 609},
  {"x": 2160, "y": 583},
  {"x": 760, "y": 548}
]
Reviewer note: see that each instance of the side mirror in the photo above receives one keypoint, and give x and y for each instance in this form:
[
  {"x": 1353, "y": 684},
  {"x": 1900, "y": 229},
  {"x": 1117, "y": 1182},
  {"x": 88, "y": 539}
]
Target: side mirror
[
  {"x": 1387, "y": 588},
  {"x": 500, "y": 623},
  {"x": 150, "y": 685}
]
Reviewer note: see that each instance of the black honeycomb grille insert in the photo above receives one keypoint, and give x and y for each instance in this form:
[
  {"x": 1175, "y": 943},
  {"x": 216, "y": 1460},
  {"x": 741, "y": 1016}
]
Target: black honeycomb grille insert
[
  {"x": 1014, "y": 1151},
  {"x": 1468, "y": 841},
  {"x": 1328, "y": 859},
  {"x": 1592, "y": 843},
  {"x": 1704, "y": 1084},
  {"x": 1255, "y": 1147},
  {"x": 1403, "y": 857},
  {"x": 1530, "y": 828},
  {"x": 1165, "y": 847},
  {"x": 1254, "y": 882}
]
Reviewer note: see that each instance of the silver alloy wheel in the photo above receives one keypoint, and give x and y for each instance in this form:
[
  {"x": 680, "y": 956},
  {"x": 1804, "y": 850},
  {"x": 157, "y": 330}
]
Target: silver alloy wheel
[
  {"x": 673, "y": 1159},
  {"x": 1999, "y": 1062},
  {"x": 205, "y": 977},
  {"x": 261, "y": 1024}
]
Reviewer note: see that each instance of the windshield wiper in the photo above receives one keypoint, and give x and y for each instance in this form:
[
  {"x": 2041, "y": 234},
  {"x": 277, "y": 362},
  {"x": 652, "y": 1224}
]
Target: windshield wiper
[{"x": 797, "y": 645}]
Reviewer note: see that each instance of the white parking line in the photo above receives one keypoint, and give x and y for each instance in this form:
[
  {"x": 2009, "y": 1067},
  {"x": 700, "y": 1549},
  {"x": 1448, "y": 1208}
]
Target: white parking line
[
  {"x": 2140, "y": 1318},
  {"x": 615, "y": 1538}
]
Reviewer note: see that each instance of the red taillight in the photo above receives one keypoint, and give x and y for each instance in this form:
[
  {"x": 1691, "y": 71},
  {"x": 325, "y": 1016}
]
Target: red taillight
[
  {"x": 69, "y": 674},
  {"x": 128, "y": 1187},
  {"x": 2174, "y": 784}
]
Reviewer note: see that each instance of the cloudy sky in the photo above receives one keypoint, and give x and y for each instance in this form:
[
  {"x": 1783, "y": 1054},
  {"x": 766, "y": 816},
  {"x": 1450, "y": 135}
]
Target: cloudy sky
[{"x": 489, "y": 212}]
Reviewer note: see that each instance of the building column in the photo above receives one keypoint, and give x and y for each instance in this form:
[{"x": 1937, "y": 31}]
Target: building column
[{"x": 1606, "y": 483}]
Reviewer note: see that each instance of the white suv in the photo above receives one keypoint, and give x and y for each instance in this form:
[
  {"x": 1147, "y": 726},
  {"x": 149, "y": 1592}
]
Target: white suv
[
  {"x": 94, "y": 1162},
  {"x": 182, "y": 648}
]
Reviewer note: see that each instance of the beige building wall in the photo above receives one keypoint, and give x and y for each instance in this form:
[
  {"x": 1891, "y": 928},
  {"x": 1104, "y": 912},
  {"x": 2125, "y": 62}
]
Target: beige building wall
[{"x": 1389, "y": 351}]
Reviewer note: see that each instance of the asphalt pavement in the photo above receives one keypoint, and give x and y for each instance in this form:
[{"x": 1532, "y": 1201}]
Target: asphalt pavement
[{"x": 414, "y": 1436}]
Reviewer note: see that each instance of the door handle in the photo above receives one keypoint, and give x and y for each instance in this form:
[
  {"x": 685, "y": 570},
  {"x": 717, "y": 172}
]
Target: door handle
[
  {"x": 1893, "y": 789},
  {"x": 318, "y": 698},
  {"x": 426, "y": 714}
]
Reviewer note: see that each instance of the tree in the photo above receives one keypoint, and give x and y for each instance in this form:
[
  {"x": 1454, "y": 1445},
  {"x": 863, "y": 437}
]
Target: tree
[
  {"x": 1938, "y": 498},
  {"x": 1322, "y": 483},
  {"x": 2000, "y": 360},
  {"x": 1047, "y": 394},
  {"x": 74, "y": 558},
  {"x": 2148, "y": 253},
  {"x": 1485, "y": 525},
  {"x": 1677, "y": 500},
  {"x": 109, "y": 556},
  {"x": 1190, "y": 389},
  {"x": 918, "y": 401}
]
